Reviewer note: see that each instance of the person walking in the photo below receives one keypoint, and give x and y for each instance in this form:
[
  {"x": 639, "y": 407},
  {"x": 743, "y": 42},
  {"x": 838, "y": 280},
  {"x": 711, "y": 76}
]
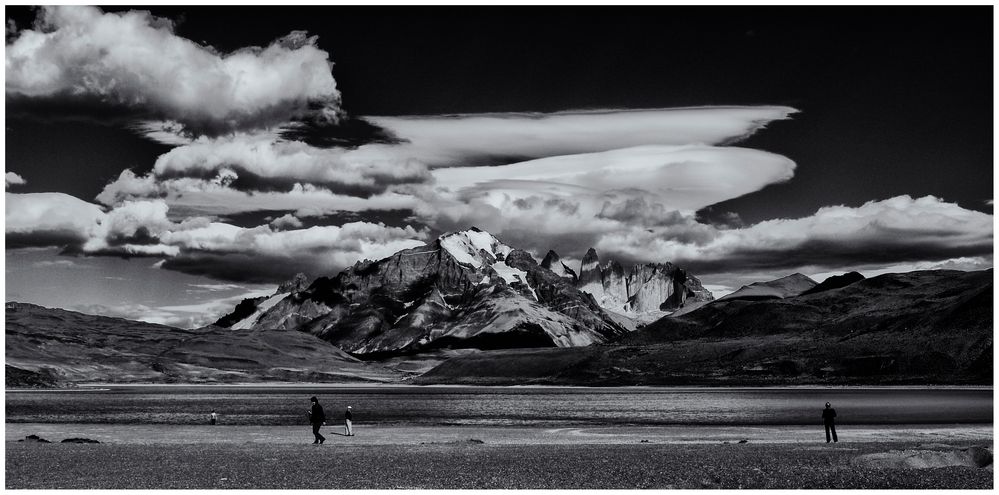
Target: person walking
[
  {"x": 827, "y": 417},
  {"x": 318, "y": 418},
  {"x": 214, "y": 418},
  {"x": 348, "y": 425}
]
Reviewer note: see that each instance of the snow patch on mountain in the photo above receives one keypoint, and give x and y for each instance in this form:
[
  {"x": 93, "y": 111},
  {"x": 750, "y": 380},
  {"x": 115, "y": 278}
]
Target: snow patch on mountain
[
  {"x": 268, "y": 303},
  {"x": 466, "y": 246},
  {"x": 513, "y": 275}
]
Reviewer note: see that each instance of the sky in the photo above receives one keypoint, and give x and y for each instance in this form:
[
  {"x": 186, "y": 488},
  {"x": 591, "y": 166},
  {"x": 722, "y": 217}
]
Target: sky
[{"x": 164, "y": 163}]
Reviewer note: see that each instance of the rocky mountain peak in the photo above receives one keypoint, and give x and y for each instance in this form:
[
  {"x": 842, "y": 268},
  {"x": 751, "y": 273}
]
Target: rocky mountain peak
[
  {"x": 550, "y": 259},
  {"x": 474, "y": 247},
  {"x": 554, "y": 263},
  {"x": 643, "y": 291},
  {"x": 590, "y": 261},
  {"x": 299, "y": 282}
]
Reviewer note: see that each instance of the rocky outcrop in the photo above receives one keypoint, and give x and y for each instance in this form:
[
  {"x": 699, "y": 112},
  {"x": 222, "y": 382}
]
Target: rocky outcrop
[
  {"x": 649, "y": 288},
  {"x": 465, "y": 289}
]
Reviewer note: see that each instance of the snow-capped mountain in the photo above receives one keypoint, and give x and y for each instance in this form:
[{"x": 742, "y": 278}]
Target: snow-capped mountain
[{"x": 465, "y": 289}]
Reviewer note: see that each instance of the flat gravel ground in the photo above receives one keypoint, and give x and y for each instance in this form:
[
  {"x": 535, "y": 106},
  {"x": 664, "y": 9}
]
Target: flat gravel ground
[{"x": 465, "y": 465}]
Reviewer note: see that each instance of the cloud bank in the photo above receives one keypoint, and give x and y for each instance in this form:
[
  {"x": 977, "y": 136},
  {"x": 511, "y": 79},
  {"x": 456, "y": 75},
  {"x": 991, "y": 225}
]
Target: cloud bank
[
  {"x": 891, "y": 231},
  {"x": 134, "y": 59}
]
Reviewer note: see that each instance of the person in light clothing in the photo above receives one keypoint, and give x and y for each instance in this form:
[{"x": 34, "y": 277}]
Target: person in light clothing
[{"x": 348, "y": 425}]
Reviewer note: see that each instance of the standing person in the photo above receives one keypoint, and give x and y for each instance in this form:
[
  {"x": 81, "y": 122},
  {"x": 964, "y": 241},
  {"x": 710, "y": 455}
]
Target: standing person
[
  {"x": 827, "y": 417},
  {"x": 214, "y": 417},
  {"x": 348, "y": 425},
  {"x": 318, "y": 418}
]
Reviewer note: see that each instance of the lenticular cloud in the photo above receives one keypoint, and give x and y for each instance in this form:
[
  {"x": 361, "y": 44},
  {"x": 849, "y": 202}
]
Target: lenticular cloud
[
  {"x": 459, "y": 140},
  {"x": 136, "y": 60}
]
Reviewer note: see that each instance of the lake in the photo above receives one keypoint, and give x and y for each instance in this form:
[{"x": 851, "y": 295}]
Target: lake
[{"x": 497, "y": 406}]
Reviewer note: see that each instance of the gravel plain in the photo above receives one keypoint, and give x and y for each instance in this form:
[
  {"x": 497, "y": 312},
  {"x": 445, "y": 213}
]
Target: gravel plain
[{"x": 473, "y": 461}]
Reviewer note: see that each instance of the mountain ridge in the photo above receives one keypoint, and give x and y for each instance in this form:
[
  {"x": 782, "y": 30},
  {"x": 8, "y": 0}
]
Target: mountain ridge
[{"x": 910, "y": 328}]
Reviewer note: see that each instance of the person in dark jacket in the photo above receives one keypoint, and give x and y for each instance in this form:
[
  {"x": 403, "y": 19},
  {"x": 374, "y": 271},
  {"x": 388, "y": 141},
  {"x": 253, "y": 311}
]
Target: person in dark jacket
[
  {"x": 827, "y": 417},
  {"x": 318, "y": 418}
]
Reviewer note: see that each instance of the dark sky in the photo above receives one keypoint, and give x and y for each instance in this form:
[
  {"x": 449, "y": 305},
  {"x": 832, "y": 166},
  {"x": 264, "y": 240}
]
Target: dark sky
[{"x": 892, "y": 100}]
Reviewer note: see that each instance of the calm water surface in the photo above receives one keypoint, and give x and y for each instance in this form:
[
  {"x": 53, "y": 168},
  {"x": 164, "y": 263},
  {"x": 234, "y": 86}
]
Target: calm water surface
[{"x": 542, "y": 406}]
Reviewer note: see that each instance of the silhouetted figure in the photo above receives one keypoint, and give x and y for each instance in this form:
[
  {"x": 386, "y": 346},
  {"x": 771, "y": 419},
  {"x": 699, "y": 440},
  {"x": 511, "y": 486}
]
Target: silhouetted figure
[
  {"x": 348, "y": 425},
  {"x": 214, "y": 417},
  {"x": 318, "y": 418},
  {"x": 828, "y": 415}
]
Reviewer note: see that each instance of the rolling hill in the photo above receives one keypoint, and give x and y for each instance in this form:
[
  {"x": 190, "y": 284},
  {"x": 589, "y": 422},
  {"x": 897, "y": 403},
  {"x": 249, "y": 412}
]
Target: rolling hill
[{"x": 48, "y": 347}]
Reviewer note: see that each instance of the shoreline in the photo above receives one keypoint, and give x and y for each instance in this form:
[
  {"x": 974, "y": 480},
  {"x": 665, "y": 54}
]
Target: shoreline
[
  {"x": 395, "y": 435},
  {"x": 356, "y": 386}
]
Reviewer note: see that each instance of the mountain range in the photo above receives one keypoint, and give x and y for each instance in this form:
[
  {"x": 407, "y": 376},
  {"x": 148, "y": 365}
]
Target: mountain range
[
  {"x": 467, "y": 308},
  {"x": 468, "y": 290}
]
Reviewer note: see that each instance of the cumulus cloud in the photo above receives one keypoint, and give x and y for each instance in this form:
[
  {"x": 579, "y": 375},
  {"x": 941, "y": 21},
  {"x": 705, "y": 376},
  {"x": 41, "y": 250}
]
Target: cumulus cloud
[
  {"x": 12, "y": 179},
  {"x": 47, "y": 219},
  {"x": 134, "y": 59},
  {"x": 286, "y": 222},
  {"x": 459, "y": 140}
]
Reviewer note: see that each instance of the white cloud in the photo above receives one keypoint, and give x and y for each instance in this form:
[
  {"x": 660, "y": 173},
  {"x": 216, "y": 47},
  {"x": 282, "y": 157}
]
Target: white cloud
[
  {"x": 12, "y": 179},
  {"x": 196, "y": 244},
  {"x": 572, "y": 201},
  {"x": 136, "y": 60},
  {"x": 47, "y": 218},
  {"x": 214, "y": 197},
  {"x": 680, "y": 177},
  {"x": 287, "y": 162},
  {"x": 286, "y": 222},
  {"x": 181, "y": 316},
  {"x": 454, "y": 140},
  {"x": 67, "y": 264},
  {"x": 892, "y": 230},
  {"x": 260, "y": 254}
]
